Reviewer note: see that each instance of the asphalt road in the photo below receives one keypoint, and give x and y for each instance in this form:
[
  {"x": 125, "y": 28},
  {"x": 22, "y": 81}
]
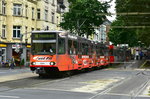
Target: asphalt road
[{"x": 118, "y": 83}]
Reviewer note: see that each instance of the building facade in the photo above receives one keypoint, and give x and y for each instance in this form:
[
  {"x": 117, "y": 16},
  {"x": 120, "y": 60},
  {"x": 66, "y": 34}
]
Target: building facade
[
  {"x": 18, "y": 18},
  {"x": 101, "y": 33}
]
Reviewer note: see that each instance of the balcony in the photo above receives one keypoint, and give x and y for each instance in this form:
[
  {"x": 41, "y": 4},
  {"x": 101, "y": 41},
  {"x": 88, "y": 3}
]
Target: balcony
[{"x": 60, "y": 5}]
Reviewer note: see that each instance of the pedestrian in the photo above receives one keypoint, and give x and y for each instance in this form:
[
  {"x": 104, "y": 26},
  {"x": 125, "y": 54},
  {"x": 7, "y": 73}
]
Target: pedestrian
[
  {"x": 137, "y": 54},
  {"x": 141, "y": 55},
  {"x": 12, "y": 63},
  {"x": 3, "y": 64}
]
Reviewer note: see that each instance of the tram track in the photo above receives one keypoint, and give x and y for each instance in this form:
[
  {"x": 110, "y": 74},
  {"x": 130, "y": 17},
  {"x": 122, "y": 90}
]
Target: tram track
[
  {"x": 35, "y": 81},
  {"x": 133, "y": 94},
  {"x": 32, "y": 82},
  {"x": 26, "y": 83}
]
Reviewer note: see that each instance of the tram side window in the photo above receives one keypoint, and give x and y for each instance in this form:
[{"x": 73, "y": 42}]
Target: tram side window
[
  {"x": 102, "y": 51},
  {"x": 61, "y": 46},
  {"x": 85, "y": 50},
  {"x": 106, "y": 52},
  {"x": 94, "y": 50},
  {"x": 69, "y": 47},
  {"x": 97, "y": 51},
  {"x": 79, "y": 48},
  {"x": 75, "y": 47},
  {"x": 111, "y": 53},
  {"x": 90, "y": 50},
  {"x": 72, "y": 47}
]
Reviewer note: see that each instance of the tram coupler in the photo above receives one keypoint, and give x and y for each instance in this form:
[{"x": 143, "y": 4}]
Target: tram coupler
[{"x": 40, "y": 70}]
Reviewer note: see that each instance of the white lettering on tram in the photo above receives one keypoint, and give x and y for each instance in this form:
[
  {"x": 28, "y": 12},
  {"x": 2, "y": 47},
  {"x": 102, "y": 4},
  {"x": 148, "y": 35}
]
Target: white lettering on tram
[
  {"x": 42, "y": 58},
  {"x": 85, "y": 56}
]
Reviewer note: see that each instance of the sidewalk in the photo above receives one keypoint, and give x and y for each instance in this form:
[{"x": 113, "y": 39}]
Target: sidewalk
[
  {"x": 7, "y": 74},
  {"x": 132, "y": 64}
]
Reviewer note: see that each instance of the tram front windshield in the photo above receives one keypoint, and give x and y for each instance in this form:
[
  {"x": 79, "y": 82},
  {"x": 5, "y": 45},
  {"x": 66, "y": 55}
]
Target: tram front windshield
[
  {"x": 44, "y": 48},
  {"x": 44, "y": 44}
]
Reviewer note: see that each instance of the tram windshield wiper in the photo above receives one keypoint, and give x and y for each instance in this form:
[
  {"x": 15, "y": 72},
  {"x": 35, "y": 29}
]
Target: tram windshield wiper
[{"x": 45, "y": 53}]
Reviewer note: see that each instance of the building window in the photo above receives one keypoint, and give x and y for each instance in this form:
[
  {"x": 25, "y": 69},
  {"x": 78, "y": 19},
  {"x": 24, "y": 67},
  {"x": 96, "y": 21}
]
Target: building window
[
  {"x": 16, "y": 31},
  {"x": 53, "y": 17},
  {"x": 46, "y": 15},
  {"x": 32, "y": 29},
  {"x": 3, "y": 7},
  {"x": 38, "y": 14},
  {"x": 53, "y": 2},
  {"x": 4, "y": 31},
  {"x": 26, "y": 32},
  {"x": 26, "y": 11},
  {"x": 17, "y": 9},
  {"x": 32, "y": 13},
  {"x": 46, "y": 1},
  {"x": 57, "y": 20}
]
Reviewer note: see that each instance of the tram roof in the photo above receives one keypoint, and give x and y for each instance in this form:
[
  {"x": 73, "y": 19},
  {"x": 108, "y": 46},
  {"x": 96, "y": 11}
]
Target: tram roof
[
  {"x": 52, "y": 31},
  {"x": 79, "y": 38}
]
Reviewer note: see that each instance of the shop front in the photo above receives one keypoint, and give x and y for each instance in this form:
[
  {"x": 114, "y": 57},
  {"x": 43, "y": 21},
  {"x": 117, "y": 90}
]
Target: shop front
[{"x": 3, "y": 52}]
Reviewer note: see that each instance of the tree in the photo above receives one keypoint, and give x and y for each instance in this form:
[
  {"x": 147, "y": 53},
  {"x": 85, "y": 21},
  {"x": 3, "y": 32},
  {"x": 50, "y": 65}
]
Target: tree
[
  {"x": 122, "y": 35},
  {"x": 133, "y": 16},
  {"x": 144, "y": 36},
  {"x": 83, "y": 16}
]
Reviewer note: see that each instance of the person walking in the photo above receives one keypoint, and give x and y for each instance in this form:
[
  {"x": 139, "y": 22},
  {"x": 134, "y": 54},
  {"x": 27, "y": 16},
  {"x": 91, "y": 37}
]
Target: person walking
[
  {"x": 12, "y": 63},
  {"x": 141, "y": 55},
  {"x": 137, "y": 54}
]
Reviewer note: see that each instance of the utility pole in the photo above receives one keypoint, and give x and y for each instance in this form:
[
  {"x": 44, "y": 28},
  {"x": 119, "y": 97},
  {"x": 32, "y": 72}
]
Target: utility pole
[{"x": 24, "y": 54}]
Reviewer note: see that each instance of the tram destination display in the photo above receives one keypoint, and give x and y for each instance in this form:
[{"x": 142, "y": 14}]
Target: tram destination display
[{"x": 44, "y": 36}]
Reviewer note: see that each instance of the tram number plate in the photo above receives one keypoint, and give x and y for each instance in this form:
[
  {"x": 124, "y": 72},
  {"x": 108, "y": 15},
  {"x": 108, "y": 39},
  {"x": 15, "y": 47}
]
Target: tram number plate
[{"x": 42, "y": 63}]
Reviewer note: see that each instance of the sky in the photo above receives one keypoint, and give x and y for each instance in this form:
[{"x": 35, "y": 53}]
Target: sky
[{"x": 111, "y": 10}]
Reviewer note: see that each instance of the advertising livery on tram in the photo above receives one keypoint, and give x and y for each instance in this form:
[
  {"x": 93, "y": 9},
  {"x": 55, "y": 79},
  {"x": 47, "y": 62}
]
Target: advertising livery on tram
[{"x": 58, "y": 51}]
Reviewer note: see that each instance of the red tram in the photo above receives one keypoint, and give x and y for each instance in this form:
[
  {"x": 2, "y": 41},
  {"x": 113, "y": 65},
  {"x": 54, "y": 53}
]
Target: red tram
[{"x": 56, "y": 51}]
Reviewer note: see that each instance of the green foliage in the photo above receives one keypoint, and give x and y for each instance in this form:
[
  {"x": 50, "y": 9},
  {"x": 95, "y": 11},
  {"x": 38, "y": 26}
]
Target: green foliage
[
  {"x": 122, "y": 35},
  {"x": 144, "y": 36},
  {"x": 131, "y": 35},
  {"x": 22, "y": 62},
  {"x": 83, "y": 16}
]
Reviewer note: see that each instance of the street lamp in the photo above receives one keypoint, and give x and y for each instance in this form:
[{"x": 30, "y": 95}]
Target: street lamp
[{"x": 139, "y": 42}]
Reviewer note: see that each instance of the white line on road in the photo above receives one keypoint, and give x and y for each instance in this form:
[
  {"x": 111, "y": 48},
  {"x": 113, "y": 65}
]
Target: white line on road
[
  {"x": 2, "y": 72},
  {"x": 14, "y": 97},
  {"x": 116, "y": 94},
  {"x": 107, "y": 90},
  {"x": 53, "y": 81}
]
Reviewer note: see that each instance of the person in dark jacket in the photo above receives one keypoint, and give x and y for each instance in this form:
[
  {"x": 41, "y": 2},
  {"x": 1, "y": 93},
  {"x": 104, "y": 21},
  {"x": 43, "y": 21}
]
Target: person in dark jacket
[{"x": 12, "y": 63}]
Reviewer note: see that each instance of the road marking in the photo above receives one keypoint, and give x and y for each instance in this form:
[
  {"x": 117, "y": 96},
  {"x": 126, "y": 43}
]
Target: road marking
[
  {"x": 116, "y": 94},
  {"x": 125, "y": 62},
  {"x": 143, "y": 64},
  {"x": 2, "y": 72},
  {"x": 53, "y": 81},
  {"x": 14, "y": 97},
  {"x": 108, "y": 89},
  {"x": 52, "y": 89},
  {"x": 143, "y": 96},
  {"x": 95, "y": 85},
  {"x": 141, "y": 88}
]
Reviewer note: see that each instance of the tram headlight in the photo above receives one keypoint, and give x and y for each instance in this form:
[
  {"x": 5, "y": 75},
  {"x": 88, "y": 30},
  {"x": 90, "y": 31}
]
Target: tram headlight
[
  {"x": 33, "y": 63},
  {"x": 52, "y": 63}
]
